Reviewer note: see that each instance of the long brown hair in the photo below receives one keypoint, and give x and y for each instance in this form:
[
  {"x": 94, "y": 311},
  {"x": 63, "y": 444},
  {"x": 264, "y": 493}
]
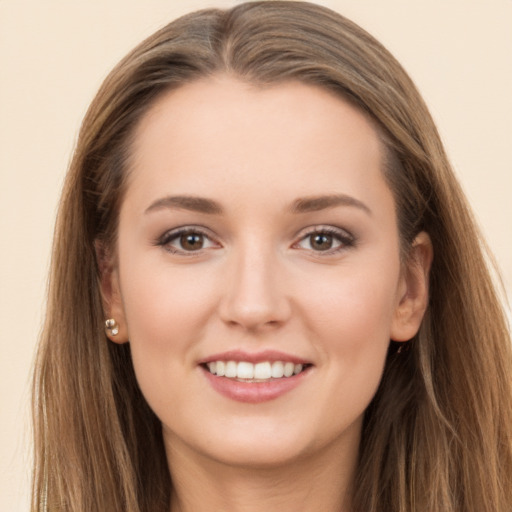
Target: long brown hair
[{"x": 436, "y": 437}]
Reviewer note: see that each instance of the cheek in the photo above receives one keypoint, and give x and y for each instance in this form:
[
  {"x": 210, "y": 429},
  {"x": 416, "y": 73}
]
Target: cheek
[
  {"x": 160, "y": 298},
  {"x": 350, "y": 319},
  {"x": 167, "y": 311},
  {"x": 354, "y": 306}
]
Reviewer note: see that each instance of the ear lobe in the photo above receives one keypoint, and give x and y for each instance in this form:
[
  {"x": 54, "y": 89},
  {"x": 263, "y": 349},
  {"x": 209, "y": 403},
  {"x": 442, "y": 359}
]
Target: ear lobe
[
  {"x": 111, "y": 295},
  {"x": 414, "y": 290}
]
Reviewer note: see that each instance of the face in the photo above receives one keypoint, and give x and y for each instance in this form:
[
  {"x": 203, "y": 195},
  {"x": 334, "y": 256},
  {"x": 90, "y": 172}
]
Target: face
[{"x": 258, "y": 277}]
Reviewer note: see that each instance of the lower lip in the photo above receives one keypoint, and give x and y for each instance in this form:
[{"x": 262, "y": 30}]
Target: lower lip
[{"x": 254, "y": 392}]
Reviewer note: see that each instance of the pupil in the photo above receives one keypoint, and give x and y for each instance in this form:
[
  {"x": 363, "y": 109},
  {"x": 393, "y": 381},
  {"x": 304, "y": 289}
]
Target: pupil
[
  {"x": 191, "y": 241},
  {"x": 321, "y": 242}
]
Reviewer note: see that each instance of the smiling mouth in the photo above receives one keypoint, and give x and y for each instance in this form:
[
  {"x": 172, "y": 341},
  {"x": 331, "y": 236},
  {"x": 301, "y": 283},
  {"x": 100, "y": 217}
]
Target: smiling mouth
[{"x": 245, "y": 371}]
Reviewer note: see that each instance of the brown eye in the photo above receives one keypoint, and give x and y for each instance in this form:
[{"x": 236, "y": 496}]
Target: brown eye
[
  {"x": 329, "y": 240},
  {"x": 321, "y": 241},
  {"x": 187, "y": 240},
  {"x": 192, "y": 241}
]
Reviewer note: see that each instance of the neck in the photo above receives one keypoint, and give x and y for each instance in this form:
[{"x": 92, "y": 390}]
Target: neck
[{"x": 319, "y": 482}]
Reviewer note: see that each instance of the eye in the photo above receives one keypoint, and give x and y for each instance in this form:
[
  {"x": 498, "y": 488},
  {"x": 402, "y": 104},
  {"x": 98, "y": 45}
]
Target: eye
[
  {"x": 326, "y": 239},
  {"x": 191, "y": 241},
  {"x": 186, "y": 240},
  {"x": 321, "y": 241}
]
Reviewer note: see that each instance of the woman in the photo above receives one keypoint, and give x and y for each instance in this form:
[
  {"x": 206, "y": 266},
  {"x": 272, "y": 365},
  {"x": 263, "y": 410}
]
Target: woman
[{"x": 267, "y": 290}]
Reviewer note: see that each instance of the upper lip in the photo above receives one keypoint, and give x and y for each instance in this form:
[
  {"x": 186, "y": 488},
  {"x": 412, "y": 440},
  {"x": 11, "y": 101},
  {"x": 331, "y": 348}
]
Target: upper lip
[{"x": 254, "y": 357}]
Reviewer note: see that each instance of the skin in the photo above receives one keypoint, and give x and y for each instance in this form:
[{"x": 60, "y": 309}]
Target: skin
[{"x": 255, "y": 280}]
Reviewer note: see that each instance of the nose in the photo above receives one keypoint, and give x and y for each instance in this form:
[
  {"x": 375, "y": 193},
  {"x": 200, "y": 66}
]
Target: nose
[{"x": 254, "y": 296}]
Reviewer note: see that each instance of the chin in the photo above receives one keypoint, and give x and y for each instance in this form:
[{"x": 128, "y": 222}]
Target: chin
[
  {"x": 262, "y": 455},
  {"x": 255, "y": 444}
]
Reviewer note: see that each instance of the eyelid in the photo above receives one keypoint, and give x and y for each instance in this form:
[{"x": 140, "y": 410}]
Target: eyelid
[
  {"x": 346, "y": 239},
  {"x": 172, "y": 234}
]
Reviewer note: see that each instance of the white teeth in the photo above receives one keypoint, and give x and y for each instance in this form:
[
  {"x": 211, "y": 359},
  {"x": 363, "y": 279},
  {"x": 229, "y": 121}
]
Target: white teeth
[
  {"x": 231, "y": 369},
  {"x": 245, "y": 370},
  {"x": 221, "y": 368},
  {"x": 258, "y": 372},
  {"x": 288, "y": 369},
  {"x": 262, "y": 371},
  {"x": 277, "y": 370}
]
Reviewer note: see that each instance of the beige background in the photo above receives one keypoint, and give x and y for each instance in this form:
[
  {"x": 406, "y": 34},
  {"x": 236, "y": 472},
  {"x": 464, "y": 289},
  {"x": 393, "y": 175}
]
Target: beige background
[{"x": 53, "y": 56}]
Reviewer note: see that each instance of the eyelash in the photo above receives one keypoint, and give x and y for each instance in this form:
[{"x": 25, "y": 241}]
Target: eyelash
[
  {"x": 344, "y": 239},
  {"x": 175, "y": 234}
]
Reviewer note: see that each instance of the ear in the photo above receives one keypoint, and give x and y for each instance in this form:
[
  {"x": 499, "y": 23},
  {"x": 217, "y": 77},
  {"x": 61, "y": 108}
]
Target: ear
[
  {"x": 111, "y": 292},
  {"x": 413, "y": 290}
]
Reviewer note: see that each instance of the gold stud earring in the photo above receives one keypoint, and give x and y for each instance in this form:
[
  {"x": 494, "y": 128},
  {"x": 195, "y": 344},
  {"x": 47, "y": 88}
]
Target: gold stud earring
[{"x": 111, "y": 327}]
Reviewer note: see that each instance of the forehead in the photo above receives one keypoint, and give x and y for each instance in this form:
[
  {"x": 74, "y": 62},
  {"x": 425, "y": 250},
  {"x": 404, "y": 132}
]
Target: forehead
[{"x": 222, "y": 132}]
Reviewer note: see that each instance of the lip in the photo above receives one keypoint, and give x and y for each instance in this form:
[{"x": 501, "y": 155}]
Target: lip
[{"x": 254, "y": 392}]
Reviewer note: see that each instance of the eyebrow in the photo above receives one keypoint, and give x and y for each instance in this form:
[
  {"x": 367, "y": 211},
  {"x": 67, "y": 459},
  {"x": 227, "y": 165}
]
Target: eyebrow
[
  {"x": 300, "y": 205},
  {"x": 317, "y": 203},
  {"x": 191, "y": 203}
]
